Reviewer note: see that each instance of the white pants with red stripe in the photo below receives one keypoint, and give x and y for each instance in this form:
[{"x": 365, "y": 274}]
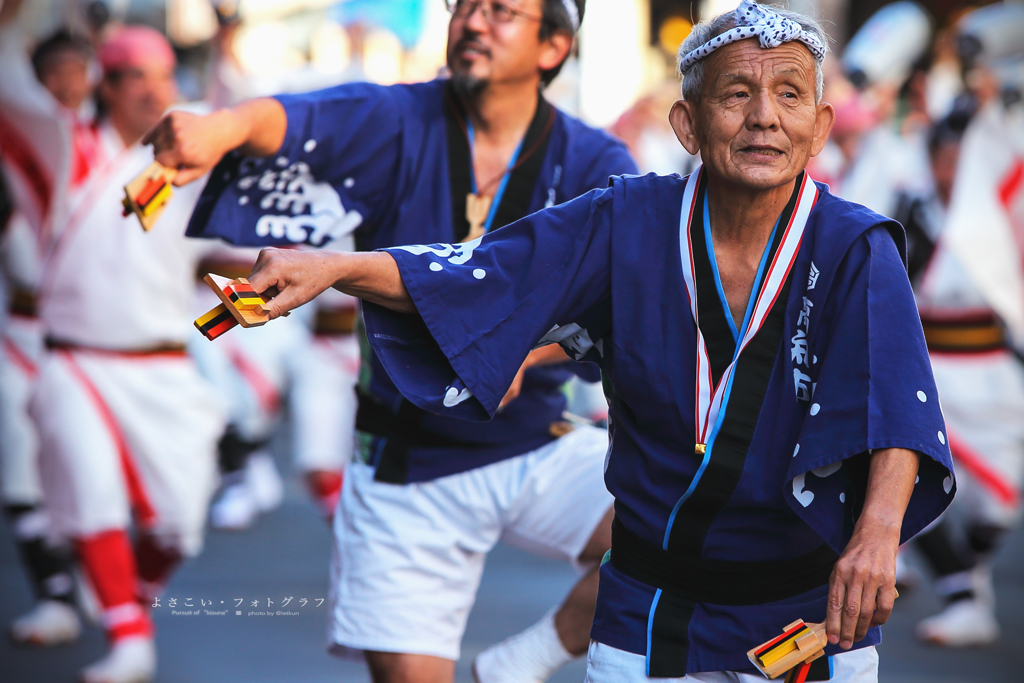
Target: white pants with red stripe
[
  {"x": 21, "y": 347},
  {"x": 120, "y": 434},
  {"x": 983, "y": 402},
  {"x": 324, "y": 403}
]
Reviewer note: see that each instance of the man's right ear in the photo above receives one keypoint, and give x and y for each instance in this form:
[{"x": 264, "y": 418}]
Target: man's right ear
[{"x": 681, "y": 118}]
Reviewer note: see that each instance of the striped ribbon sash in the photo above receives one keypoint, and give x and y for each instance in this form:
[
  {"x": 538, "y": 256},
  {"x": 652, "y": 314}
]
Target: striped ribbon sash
[{"x": 711, "y": 398}]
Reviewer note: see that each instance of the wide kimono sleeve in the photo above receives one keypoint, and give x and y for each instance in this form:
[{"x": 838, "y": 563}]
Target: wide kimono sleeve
[
  {"x": 874, "y": 390},
  {"x": 485, "y": 304},
  {"x": 334, "y": 172}
]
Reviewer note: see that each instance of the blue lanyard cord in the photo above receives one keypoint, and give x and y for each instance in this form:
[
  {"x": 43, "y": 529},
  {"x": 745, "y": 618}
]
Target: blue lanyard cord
[
  {"x": 738, "y": 334},
  {"x": 739, "y": 339},
  {"x": 496, "y": 201}
]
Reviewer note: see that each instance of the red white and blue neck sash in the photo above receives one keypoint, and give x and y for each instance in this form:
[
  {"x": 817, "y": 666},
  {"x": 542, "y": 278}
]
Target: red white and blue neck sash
[{"x": 709, "y": 396}]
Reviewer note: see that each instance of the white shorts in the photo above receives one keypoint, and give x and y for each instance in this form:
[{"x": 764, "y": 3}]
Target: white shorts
[
  {"x": 408, "y": 558},
  {"x": 21, "y": 347},
  {"x": 323, "y": 401},
  {"x": 983, "y": 404},
  {"x": 121, "y": 433},
  {"x": 605, "y": 664}
]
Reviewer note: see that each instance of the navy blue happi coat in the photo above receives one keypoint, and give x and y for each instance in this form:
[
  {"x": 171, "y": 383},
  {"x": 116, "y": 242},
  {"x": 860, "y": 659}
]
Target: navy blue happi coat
[{"x": 739, "y": 454}]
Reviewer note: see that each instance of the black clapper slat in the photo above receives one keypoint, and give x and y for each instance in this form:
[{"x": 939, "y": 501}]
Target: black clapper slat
[{"x": 670, "y": 626}]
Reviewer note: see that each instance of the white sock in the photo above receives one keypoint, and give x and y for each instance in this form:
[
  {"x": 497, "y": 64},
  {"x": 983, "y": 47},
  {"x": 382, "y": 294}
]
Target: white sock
[
  {"x": 955, "y": 583},
  {"x": 527, "y": 657}
]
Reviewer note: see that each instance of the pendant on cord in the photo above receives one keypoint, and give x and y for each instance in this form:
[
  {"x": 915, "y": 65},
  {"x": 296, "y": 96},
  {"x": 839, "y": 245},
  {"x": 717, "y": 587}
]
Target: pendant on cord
[
  {"x": 700, "y": 449},
  {"x": 477, "y": 209}
]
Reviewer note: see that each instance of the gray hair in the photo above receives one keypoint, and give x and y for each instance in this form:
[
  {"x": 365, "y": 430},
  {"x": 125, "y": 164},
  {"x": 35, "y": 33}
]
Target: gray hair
[{"x": 704, "y": 31}]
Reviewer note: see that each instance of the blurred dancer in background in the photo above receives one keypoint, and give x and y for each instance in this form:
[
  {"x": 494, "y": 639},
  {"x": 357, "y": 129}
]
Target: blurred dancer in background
[
  {"x": 127, "y": 426},
  {"x": 226, "y": 82},
  {"x": 323, "y": 399},
  {"x": 427, "y": 497},
  {"x": 47, "y": 562},
  {"x": 883, "y": 124},
  {"x": 959, "y": 232},
  {"x": 47, "y": 142},
  {"x": 252, "y": 374},
  {"x": 922, "y": 214},
  {"x": 63, "y": 65},
  {"x": 310, "y": 370},
  {"x": 963, "y": 213}
]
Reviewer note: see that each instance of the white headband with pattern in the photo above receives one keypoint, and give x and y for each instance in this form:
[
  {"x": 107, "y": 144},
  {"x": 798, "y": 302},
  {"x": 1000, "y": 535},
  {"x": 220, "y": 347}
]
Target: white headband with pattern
[
  {"x": 755, "y": 20},
  {"x": 574, "y": 14}
]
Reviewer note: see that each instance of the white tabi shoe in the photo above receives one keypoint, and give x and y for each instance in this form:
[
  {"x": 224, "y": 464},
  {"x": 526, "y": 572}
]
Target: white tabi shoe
[
  {"x": 264, "y": 481},
  {"x": 236, "y": 508},
  {"x": 130, "y": 660},
  {"x": 964, "y": 623},
  {"x": 49, "y": 623}
]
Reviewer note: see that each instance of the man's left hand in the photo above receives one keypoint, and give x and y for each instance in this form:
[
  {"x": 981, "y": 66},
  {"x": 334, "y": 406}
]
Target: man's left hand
[
  {"x": 862, "y": 587},
  {"x": 291, "y": 278}
]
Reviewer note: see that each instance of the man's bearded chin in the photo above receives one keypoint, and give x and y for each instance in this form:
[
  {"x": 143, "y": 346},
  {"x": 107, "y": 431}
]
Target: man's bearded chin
[{"x": 468, "y": 86}]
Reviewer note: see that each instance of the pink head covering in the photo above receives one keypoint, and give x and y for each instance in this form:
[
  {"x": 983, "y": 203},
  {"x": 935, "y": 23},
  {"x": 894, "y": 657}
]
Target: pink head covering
[
  {"x": 135, "y": 46},
  {"x": 853, "y": 117}
]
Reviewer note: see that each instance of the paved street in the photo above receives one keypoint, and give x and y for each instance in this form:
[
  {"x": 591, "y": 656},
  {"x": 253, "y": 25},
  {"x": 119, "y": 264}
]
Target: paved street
[{"x": 287, "y": 553}]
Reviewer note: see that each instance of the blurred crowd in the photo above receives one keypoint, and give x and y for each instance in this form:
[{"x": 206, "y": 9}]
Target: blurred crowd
[{"x": 929, "y": 130}]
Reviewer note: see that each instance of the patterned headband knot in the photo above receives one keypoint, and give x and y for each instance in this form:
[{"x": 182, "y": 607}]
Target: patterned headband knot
[{"x": 770, "y": 28}]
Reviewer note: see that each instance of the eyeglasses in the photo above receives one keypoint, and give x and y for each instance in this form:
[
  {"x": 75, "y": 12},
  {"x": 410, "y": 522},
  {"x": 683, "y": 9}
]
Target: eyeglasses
[{"x": 495, "y": 11}]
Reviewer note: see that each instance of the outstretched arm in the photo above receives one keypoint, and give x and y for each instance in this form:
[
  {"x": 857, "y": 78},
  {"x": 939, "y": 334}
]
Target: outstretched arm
[
  {"x": 293, "y": 278},
  {"x": 194, "y": 144},
  {"x": 296, "y": 277},
  {"x": 863, "y": 583}
]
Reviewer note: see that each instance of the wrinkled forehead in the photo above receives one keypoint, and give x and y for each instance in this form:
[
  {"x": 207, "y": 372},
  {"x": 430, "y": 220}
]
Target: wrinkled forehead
[{"x": 746, "y": 60}]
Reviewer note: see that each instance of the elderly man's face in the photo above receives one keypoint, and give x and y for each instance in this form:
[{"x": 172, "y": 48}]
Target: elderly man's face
[{"x": 756, "y": 124}]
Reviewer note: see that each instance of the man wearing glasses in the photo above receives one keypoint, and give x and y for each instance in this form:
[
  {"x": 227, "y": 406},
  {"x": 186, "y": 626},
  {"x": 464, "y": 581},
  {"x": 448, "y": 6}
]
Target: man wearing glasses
[{"x": 440, "y": 162}]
